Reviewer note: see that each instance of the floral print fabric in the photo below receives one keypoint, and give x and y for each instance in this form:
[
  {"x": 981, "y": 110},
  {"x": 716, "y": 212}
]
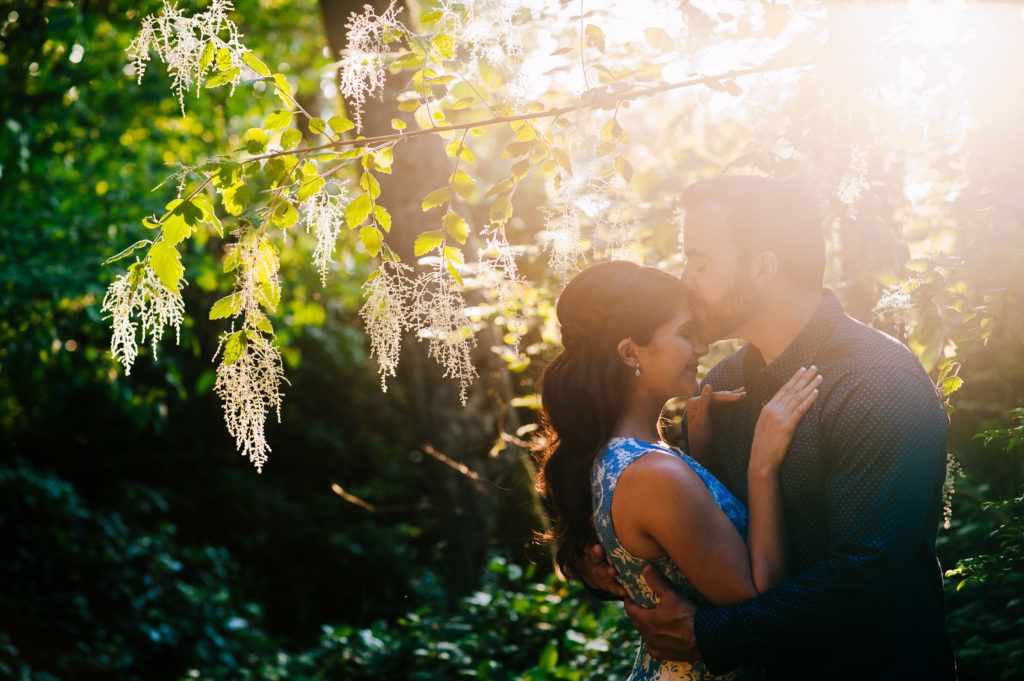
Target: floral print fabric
[{"x": 616, "y": 456}]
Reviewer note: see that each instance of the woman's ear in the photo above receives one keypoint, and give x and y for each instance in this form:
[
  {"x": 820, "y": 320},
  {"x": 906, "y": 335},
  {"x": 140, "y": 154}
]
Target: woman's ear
[
  {"x": 764, "y": 267},
  {"x": 629, "y": 352}
]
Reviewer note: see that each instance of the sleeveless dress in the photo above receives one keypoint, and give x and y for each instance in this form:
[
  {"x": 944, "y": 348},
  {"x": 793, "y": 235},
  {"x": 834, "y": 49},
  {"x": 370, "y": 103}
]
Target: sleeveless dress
[{"x": 616, "y": 456}]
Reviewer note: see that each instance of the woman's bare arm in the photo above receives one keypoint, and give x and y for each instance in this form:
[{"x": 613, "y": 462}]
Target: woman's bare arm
[{"x": 662, "y": 507}]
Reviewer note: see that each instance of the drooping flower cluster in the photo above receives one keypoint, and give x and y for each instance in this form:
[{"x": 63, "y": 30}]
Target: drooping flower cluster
[
  {"x": 440, "y": 311},
  {"x": 249, "y": 387},
  {"x": 499, "y": 273},
  {"x": 180, "y": 41},
  {"x": 386, "y": 315},
  {"x": 138, "y": 300},
  {"x": 896, "y": 305},
  {"x": 250, "y": 372},
  {"x": 621, "y": 232},
  {"x": 363, "y": 65},
  {"x": 562, "y": 234},
  {"x": 490, "y": 31},
  {"x": 325, "y": 217}
]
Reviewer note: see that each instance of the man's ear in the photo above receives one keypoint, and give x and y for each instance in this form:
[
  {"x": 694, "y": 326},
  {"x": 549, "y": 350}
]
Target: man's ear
[
  {"x": 629, "y": 352},
  {"x": 764, "y": 268}
]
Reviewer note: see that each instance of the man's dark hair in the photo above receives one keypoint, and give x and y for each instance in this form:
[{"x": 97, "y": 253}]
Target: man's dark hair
[{"x": 766, "y": 214}]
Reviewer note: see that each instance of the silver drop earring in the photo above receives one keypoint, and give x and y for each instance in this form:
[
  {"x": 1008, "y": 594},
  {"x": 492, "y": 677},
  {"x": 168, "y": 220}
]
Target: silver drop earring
[{"x": 638, "y": 368}]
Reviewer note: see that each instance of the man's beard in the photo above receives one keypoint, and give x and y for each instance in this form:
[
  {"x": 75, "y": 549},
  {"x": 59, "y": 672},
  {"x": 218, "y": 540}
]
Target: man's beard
[{"x": 721, "y": 318}]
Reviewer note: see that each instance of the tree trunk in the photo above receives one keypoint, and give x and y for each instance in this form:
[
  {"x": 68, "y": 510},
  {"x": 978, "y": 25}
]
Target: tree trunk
[{"x": 470, "y": 510}]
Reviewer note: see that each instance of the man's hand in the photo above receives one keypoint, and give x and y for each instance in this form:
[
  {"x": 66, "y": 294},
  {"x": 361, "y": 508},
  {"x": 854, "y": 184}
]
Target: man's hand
[
  {"x": 597, "y": 573},
  {"x": 667, "y": 628}
]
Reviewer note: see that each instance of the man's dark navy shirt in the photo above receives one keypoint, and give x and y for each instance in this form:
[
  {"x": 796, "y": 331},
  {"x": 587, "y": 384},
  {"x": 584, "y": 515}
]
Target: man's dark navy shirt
[{"x": 862, "y": 493}]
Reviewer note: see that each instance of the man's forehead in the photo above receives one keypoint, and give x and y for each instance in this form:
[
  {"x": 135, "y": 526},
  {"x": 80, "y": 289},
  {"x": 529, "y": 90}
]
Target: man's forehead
[{"x": 706, "y": 225}]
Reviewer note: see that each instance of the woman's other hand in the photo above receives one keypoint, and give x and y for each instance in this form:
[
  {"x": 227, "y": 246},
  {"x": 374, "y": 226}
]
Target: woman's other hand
[
  {"x": 779, "y": 419},
  {"x": 698, "y": 418}
]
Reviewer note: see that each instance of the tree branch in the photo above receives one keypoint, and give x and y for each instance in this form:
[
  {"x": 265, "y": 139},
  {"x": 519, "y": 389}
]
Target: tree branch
[{"x": 598, "y": 98}]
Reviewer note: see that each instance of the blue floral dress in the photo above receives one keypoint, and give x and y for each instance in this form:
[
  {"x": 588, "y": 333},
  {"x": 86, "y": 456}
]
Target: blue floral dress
[{"x": 616, "y": 456}]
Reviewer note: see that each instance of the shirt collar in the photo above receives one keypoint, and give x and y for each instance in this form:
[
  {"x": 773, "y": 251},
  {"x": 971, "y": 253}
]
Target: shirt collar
[{"x": 800, "y": 353}]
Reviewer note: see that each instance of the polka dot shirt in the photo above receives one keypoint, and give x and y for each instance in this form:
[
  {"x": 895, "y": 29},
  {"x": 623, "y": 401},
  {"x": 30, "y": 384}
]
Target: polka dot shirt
[{"x": 862, "y": 486}]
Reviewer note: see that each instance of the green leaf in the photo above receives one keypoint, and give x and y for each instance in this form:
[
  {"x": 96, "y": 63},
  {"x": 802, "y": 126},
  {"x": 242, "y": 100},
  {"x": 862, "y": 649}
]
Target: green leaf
[
  {"x": 181, "y": 221},
  {"x": 409, "y": 105},
  {"x": 430, "y": 18},
  {"x": 398, "y": 124},
  {"x": 463, "y": 103},
  {"x": 284, "y": 90},
  {"x": 562, "y": 158},
  {"x": 427, "y": 242},
  {"x": 285, "y": 215},
  {"x": 455, "y": 226},
  {"x": 407, "y": 61},
  {"x": 255, "y": 141},
  {"x": 383, "y": 158},
  {"x": 236, "y": 198},
  {"x": 166, "y": 263},
  {"x": 234, "y": 347},
  {"x": 369, "y": 184},
  {"x": 438, "y": 197},
  {"x": 517, "y": 149},
  {"x": 526, "y": 133},
  {"x": 454, "y": 272},
  {"x": 223, "y": 77},
  {"x": 228, "y": 306},
  {"x": 612, "y": 131},
  {"x": 255, "y": 64},
  {"x": 659, "y": 39},
  {"x": 454, "y": 255},
  {"x": 549, "y": 656},
  {"x": 261, "y": 322},
  {"x": 383, "y": 217},
  {"x": 371, "y": 238},
  {"x": 128, "y": 251},
  {"x": 223, "y": 59},
  {"x": 623, "y": 168},
  {"x": 951, "y": 385},
  {"x": 357, "y": 210},
  {"x": 317, "y": 125},
  {"x": 207, "y": 58},
  {"x": 135, "y": 273},
  {"x": 227, "y": 174},
  {"x": 340, "y": 124},
  {"x": 458, "y": 149},
  {"x": 310, "y": 186},
  {"x": 445, "y": 45},
  {"x": 290, "y": 138},
  {"x": 175, "y": 229},
  {"x": 501, "y": 211},
  {"x": 503, "y": 187},
  {"x": 278, "y": 120},
  {"x": 519, "y": 170},
  {"x": 462, "y": 183},
  {"x": 595, "y": 37}
]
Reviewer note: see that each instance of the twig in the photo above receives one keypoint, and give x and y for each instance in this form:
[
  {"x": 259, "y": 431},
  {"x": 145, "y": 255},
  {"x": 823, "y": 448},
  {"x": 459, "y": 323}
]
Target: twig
[
  {"x": 353, "y": 499},
  {"x": 460, "y": 467}
]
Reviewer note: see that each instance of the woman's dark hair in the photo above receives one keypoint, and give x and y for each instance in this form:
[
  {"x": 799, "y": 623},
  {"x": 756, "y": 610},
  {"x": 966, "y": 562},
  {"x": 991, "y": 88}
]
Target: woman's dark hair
[{"x": 583, "y": 389}]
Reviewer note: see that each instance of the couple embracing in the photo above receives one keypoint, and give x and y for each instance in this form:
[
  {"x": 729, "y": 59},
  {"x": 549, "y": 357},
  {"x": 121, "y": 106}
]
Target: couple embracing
[{"x": 795, "y": 536}]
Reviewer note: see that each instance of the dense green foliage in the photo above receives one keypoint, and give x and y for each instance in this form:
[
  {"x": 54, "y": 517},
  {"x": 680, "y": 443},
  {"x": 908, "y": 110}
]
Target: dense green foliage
[{"x": 137, "y": 545}]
